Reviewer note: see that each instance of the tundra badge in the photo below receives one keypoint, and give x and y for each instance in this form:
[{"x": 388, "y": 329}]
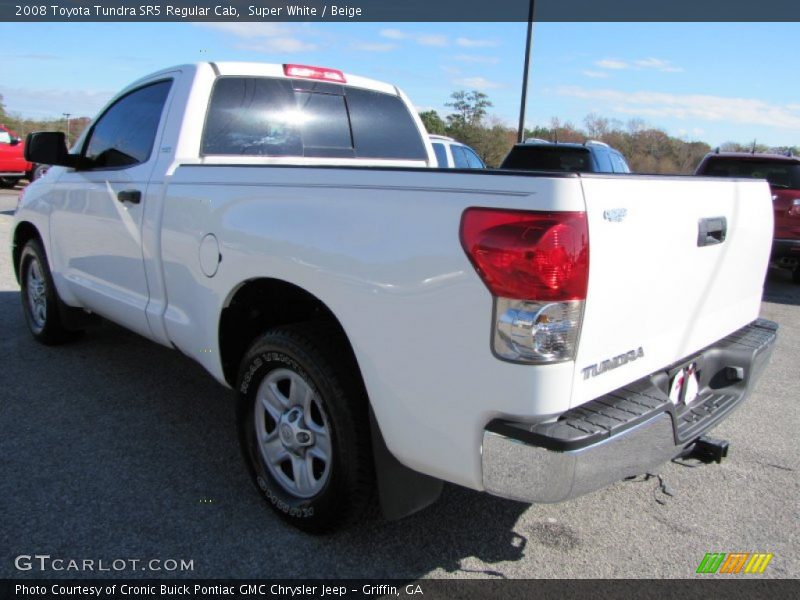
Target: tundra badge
[
  {"x": 615, "y": 215},
  {"x": 612, "y": 363}
]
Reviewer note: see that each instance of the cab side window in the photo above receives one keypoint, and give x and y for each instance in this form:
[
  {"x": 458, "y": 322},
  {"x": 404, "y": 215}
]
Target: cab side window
[
  {"x": 125, "y": 134},
  {"x": 5, "y": 137},
  {"x": 459, "y": 157},
  {"x": 603, "y": 160},
  {"x": 620, "y": 166},
  {"x": 441, "y": 155},
  {"x": 473, "y": 159}
]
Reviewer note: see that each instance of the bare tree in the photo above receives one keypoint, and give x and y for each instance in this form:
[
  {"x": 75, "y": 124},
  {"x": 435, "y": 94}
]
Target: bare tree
[
  {"x": 469, "y": 107},
  {"x": 596, "y": 126}
]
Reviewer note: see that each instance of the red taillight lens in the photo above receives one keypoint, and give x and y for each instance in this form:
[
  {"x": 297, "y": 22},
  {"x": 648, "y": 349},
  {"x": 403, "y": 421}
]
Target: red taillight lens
[
  {"x": 528, "y": 255},
  {"x": 307, "y": 72}
]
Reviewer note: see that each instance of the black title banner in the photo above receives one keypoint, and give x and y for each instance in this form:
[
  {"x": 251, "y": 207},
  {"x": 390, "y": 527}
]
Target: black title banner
[{"x": 399, "y": 10}]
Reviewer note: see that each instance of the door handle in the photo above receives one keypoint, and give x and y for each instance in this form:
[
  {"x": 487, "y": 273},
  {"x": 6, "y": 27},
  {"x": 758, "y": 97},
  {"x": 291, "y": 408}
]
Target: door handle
[
  {"x": 132, "y": 196},
  {"x": 711, "y": 231}
]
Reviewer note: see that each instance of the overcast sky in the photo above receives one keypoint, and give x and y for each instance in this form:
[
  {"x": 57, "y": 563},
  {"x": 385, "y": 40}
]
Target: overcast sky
[{"x": 713, "y": 82}]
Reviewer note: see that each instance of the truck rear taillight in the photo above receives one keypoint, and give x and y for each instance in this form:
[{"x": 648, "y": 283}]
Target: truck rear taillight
[
  {"x": 307, "y": 72},
  {"x": 536, "y": 265}
]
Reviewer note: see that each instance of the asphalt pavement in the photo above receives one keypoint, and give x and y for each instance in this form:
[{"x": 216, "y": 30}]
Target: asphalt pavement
[{"x": 116, "y": 448}]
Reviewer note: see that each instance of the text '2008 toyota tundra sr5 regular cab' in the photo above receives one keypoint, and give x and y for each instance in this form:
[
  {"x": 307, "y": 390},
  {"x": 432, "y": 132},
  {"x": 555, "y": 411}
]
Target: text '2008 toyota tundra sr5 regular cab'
[{"x": 385, "y": 324}]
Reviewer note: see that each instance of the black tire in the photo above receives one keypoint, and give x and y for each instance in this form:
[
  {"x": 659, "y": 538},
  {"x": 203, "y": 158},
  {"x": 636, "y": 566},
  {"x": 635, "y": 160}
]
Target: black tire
[
  {"x": 796, "y": 275},
  {"x": 9, "y": 182},
  {"x": 315, "y": 352},
  {"x": 44, "y": 323}
]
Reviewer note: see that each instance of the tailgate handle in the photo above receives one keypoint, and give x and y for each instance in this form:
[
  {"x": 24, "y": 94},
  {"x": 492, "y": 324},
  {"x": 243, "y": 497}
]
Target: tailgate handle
[{"x": 711, "y": 231}]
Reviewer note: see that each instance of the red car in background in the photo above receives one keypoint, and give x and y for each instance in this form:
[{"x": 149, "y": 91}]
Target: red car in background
[
  {"x": 783, "y": 174},
  {"x": 13, "y": 165}
]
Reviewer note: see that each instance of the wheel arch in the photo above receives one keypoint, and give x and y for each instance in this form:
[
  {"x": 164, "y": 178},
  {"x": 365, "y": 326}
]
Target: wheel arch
[
  {"x": 258, "y": 304},
  {"x": 255, "y": 305},
  {"x": 23, "y": 233}
]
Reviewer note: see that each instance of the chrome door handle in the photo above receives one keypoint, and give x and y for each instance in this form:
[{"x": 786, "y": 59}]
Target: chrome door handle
[{"x": 711, "y": 231}]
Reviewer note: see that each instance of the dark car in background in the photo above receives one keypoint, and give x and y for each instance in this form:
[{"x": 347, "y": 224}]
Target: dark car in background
[
  {"x": 783, "y": 174},
  {"x": 589, "y": 157}
]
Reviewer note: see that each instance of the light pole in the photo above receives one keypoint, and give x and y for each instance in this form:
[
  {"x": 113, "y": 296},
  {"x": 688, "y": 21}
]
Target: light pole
[
  {"x": 521, "y": 131},
  {"x": 67, "y": 116}
]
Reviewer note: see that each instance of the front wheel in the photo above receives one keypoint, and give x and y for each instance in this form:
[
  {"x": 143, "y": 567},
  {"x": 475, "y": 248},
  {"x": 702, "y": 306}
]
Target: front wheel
[
  {"x": 40, "y": 301},
  {"x": 304, "y": 428}
]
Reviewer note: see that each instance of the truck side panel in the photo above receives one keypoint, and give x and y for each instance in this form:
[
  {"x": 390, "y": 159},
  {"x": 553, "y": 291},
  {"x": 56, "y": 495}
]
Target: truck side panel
[{"x": 380, "y": 248}]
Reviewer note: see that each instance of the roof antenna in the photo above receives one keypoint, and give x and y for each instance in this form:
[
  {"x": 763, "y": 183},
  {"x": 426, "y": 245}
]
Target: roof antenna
[
  {"x": 555, "y": 134},
  {"x": 753, "y": 150},
  {"x": 716, "y": 150}
]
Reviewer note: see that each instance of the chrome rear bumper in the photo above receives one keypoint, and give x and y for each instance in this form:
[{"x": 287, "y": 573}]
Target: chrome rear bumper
[{"x": 629, "y": 432}]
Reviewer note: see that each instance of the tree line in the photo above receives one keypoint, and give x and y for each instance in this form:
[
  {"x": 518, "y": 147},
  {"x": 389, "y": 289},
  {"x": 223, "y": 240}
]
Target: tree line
[
  {"x": 22, "y": 126},
  {"x": 646, "y": 148}
]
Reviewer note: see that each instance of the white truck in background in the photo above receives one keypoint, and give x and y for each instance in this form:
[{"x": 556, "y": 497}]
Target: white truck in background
[{"x": 387, "y": 325}]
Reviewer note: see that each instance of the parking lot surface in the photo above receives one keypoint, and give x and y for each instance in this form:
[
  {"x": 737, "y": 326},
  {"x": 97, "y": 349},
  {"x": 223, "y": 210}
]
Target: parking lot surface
[{"x": 114, "y": 447}]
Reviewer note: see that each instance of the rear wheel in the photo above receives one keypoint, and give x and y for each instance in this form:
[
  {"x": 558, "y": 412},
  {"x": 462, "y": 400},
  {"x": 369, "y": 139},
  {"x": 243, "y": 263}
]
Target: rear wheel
[
  {"x": 796, "y": 274},
  {"x": 40, "y": 301},
  {"x": 304, "y": 429}
]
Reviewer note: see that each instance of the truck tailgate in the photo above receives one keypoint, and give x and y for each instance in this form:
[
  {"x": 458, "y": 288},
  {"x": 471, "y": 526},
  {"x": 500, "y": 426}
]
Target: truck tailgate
[{"x": 657, "y": 292}]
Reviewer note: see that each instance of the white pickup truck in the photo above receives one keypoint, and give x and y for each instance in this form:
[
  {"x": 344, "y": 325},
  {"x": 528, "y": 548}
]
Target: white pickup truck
[{"x": 387, "y": 325}]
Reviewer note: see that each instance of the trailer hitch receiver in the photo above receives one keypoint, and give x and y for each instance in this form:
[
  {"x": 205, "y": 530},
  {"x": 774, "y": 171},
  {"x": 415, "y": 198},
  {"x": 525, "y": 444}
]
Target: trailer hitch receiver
[{"x": 709, "y": 450}]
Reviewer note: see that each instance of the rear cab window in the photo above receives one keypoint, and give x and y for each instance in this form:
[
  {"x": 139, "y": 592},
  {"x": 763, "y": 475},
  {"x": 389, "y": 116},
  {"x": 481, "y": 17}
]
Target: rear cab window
[
  {"x": 548, "y": 158},
  {"x": 273, "y": 117}
]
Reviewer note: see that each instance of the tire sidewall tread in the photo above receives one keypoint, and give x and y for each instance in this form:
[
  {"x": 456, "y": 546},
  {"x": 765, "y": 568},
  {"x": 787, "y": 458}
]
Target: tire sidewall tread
[{"x": 314, "y": 351}]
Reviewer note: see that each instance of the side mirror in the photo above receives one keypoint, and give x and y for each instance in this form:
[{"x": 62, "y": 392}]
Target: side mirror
[
  {"x": 48, "y": 148},
  {"x": 14, "y": 141}
]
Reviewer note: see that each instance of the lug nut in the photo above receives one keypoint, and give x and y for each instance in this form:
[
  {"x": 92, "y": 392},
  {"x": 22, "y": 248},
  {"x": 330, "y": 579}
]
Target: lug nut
[{"x": 303, "y": 437}]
